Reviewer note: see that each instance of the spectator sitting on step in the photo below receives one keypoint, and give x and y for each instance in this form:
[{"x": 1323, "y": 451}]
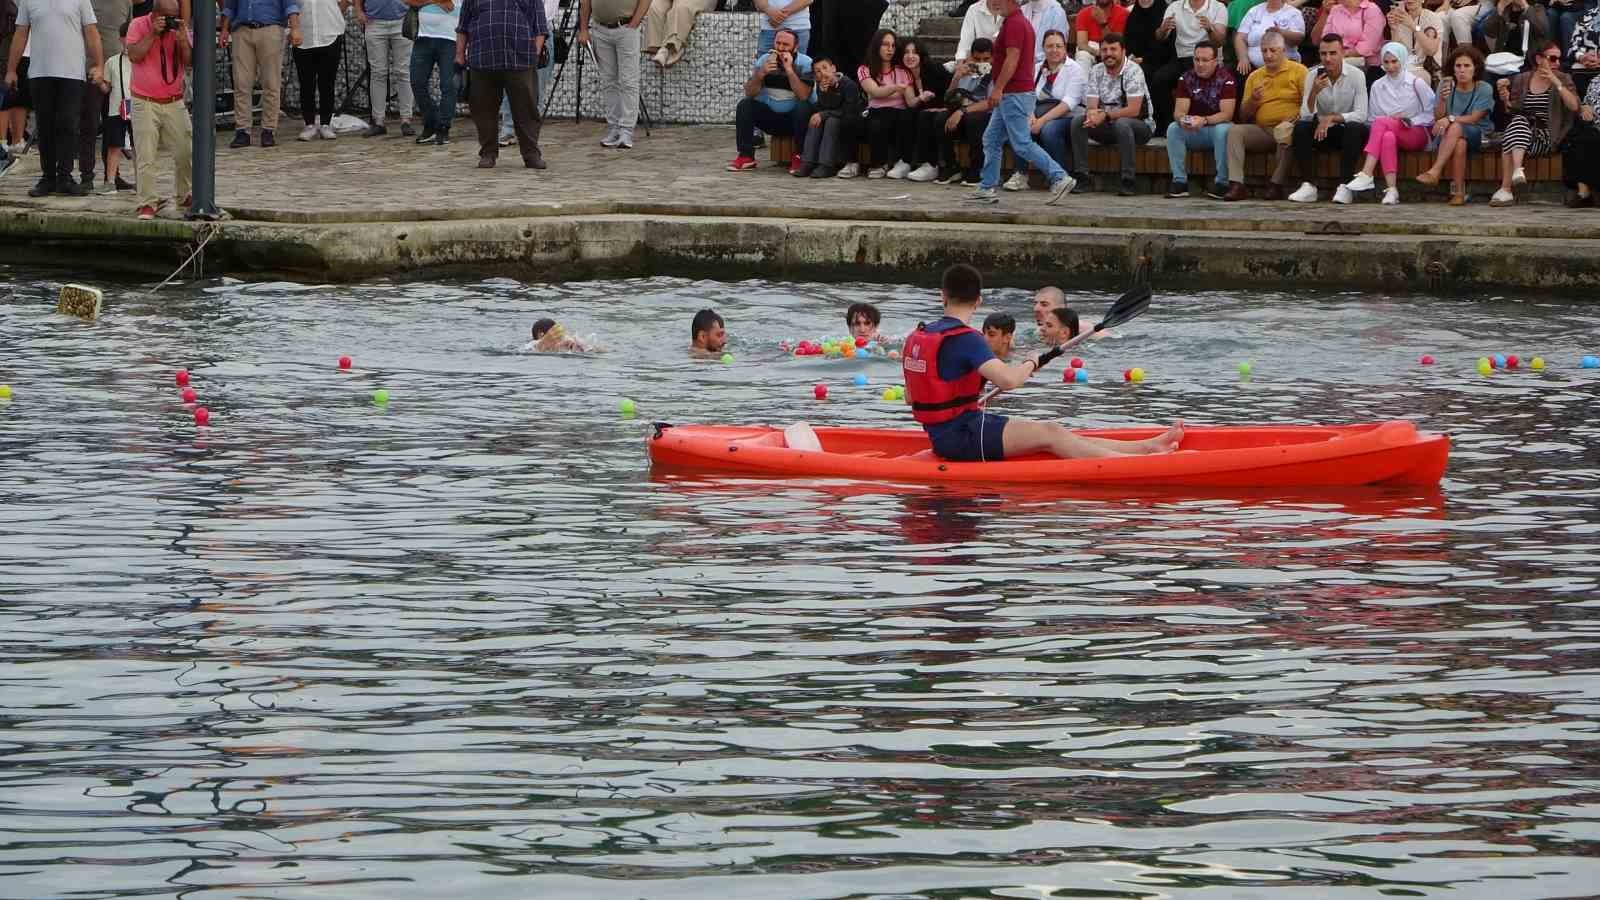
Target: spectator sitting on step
[
  {"x": 1583, "y": 49},
  {"x": 1401, "y": 107},
  {"x": 1580, "y": 159},
  {"x": 1460, "y": 119},
  {"x": 1333, "y": 114},
  {"x": 963, "y": 120},
  {"x": 1202, "y": 116},
  {"x": 1541, "y": 104},
  {"x": 1117, "y": 112},
  {"x": 1093, "y": 22},
  {"x": 890, "y": 123},
  {"x": 1059, "y": 84},
  {"x": 1045, "y": 16},
  {"x": 929, "y": 85},
  {"x": 1360, "y": 23},
  {"x": 1516, "y": 26},
  {"x": 835, "y": 126},
  {"x": 1272, "y": 99},
  {"x": 982, "y": 22},
  {"x": 776, "y": 99},
  {"x": 1188, "y": 22},
  {"x": 667, "y": 27}
]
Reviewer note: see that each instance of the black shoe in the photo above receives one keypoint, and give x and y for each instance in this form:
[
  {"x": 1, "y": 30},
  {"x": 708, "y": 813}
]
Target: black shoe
[
  {"x": 1178, "y": 189},
  {"x": 66, "y": 187},
  {"x": 442, "y": 138},
  {"x": 241, "y": 138},
  {"x": 375, "y": 131},
  {"x": 972, "y": 178},
  {"x": 406, "y": 130},
  {"x": 427, "y": 136},
  {"x": 267, "y": 140},
  {"x": 825, "y": 172},
  {"x": 45, "y": 187},
  {"x": 761, "y": 141},
  {"x": 1082, "y": 179},
  {"x": 123, "y": 185},
  {"x": 1573, "y": 201},
  {"x": 536, "y": 161},
  {"x": 1126, "y": 190},
  {"x": 804, "y": 170},
  {"x": 88, "y": 183}
]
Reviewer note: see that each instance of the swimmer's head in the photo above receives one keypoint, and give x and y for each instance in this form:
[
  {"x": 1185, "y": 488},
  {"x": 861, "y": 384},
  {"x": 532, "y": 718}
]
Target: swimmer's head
[
  {"x": 863, "y": 319},
  {"x": 1060, "y": 325},
  {"x": 542, "y": 326},
  {"x": 1046, "y": 299},
  {"x": 999, "y": 329},
  {"x": 707, "y": 332}
]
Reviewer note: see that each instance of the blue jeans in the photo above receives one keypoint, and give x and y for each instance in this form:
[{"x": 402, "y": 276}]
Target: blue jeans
[
  {"x": 1179, "y": 141},
  {"x": 1009, "y": 125},
  {"x": 545, "y": 74},
  {"x": 802, "y": 41},
  {"x": 427, "y": 53},
  {"x": 1053, "y": 138}
]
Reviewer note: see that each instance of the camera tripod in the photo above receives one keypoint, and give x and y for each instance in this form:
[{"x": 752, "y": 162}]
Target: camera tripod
[{"x": 567, "y": 32}]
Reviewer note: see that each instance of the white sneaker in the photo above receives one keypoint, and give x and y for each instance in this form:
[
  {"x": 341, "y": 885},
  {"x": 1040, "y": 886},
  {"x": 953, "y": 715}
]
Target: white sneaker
[
  {"x": 1502, "y": 197},
  {"x": 109, "y": 187},
  {"x": 16, "y": 150},
  {"x": 923, "y": 173},
  {"x": 1391, "y": 197},
  {"x": 901, "y": 170},
  {"x": 613, "y": 138},
  {"x": 308, "y": 133},
  {"x": 880, "y": 172},
  {"x": 1343, "y": 195},
  {"x": 1306, "y": 194},
  {"x": 1519, "y": 177},
  {"x": 661, "y": 57},
  {"x": 1017, "y": 182},
  {"x": 327, "y": 133},
  {"x": 850, "y": 170},
  {"x": 1061, "y": 188},
  {"x": 1362, "y": 182}
]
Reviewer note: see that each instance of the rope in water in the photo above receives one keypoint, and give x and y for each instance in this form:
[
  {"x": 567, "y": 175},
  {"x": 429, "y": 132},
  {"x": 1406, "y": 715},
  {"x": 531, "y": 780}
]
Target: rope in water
[{"x": 209, "y": 231}]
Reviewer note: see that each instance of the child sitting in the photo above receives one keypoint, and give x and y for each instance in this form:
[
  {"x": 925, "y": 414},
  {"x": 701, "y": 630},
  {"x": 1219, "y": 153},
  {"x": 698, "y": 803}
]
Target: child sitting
[{"x": 831, "y": 139}]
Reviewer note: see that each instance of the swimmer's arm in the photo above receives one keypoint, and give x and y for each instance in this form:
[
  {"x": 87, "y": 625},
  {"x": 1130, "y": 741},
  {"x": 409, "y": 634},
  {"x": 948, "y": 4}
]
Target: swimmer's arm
[{"x": 1005, "y": 376}]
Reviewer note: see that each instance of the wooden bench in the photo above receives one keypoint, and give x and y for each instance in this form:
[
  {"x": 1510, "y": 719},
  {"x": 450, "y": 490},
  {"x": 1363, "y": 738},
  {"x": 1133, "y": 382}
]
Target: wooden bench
[{"x": 1150, "y": 163}]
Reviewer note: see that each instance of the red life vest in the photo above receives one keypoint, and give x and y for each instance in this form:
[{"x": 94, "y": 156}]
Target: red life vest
[{"x": 933, "y": 399}]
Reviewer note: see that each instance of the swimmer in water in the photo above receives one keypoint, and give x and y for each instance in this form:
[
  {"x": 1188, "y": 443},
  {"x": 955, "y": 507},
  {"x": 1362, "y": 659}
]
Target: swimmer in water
[
  {"x": 863, "y": 319},
  {"x": 549, "y": 337},
  {"x": 1000, "y": 330},
  {"x": 1059, "y": 326},
  {"x": 708, "y": 336}
]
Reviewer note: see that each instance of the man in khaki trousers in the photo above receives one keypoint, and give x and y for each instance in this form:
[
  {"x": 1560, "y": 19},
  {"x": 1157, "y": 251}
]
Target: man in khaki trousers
[
  {"x": 254, "y": 29},
  {"x": 667, "y": 27},
  {"x": 160, "y": 55}
]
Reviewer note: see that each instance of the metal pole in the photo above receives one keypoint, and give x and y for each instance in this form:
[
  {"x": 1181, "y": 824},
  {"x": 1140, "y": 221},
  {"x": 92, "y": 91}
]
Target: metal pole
[{"x": 205, "y": 111}]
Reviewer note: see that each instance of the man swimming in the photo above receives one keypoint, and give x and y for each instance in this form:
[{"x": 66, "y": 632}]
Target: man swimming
[
  {"x": 945, "y": 364},
  {"x": 707, "y": 334},
  {"x": 863, "y": 319},
  {"x": 1000, "y": 331},
  {"x": 1044, "y": 300},
  {"x": 1059, "y": 326},
  {"x": 550, "y": 337}
]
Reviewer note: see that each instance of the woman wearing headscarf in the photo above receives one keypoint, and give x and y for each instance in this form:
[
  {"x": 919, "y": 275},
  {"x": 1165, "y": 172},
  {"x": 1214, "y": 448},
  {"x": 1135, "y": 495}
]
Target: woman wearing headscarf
[{"x": 1401, "y": 107}]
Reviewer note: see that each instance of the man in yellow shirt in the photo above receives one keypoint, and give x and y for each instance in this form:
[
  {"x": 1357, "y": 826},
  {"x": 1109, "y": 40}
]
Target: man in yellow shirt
[{"x": 1271, "y": 97}]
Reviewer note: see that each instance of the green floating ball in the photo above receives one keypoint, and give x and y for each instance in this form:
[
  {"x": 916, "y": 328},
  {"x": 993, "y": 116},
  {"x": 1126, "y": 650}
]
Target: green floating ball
[
  {"x": 380, "y": 397},
  {"x": 727, "y": 359},
  {"x": 627, "y": 408},
  {"x": 1244, "y": 369}
]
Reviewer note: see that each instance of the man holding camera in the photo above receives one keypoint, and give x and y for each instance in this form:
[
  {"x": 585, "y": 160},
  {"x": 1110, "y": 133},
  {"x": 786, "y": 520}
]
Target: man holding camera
[
  {"x": 65, "y": 44},
  {"x": 158, "y": 46}
]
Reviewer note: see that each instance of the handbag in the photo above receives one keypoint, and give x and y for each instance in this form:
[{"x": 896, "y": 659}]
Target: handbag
[
  {"x": 411, "y": 24},
  {"x": 1505, "y": 62}
]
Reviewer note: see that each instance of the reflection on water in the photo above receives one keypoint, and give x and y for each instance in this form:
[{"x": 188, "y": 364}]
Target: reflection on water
[{"x": 468, "y": 643}]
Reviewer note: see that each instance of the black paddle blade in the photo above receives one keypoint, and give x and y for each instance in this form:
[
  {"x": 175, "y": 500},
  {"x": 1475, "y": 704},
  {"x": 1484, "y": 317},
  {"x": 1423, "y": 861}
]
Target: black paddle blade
[{"x": 1131, "y": 305}]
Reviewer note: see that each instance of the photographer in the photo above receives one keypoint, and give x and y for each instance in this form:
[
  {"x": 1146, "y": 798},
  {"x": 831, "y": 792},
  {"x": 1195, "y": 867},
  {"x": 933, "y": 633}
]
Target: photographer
[
  {"x": 158, "y": 46},
  {"x": 775, "y": 100}
]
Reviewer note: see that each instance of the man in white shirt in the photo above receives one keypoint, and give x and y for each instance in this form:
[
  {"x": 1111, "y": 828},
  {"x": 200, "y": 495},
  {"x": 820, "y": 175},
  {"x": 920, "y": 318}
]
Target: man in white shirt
[
  {"x": 1043, "y": 15},
  {"x": 1190, "y": 21},
  {"x": 981, "y": 21}
]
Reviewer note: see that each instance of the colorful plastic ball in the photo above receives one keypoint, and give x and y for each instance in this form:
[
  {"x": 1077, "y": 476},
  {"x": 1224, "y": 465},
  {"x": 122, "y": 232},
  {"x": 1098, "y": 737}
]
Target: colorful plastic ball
[
  {"x": 1127, "y": 374},
  {"x": 1427, "y": 360},
  {"x": 1081, "y": 376},
  {"x": 627, "y": 408},
  {"x": 820, "y": 392},
  {"x": 1590, "y": 362},
  {"x": 848, "y": 351},
  {"x": 861, "y": 342},
  {"x": 727, "y": 359},
  {"x": 188, "y": 395},
  {"x": 344, "y": 362},
  {"x": 1512, "y": 361},
  {"x": 5, "y": 392},
  {"x": 1498, "y": 361},
  {"x": 894, "y": 354},
  {"x": 1244, "y": 369},
  {"x": 861, "y": 379},
  {"x": 1536, "y": 364},
  {"x": 899, "y": 392},
  {"x": 181, "y": 377},
  {"x": 1136, "y": 375},
  {"x": 1077, "y": 363},
  {"x": 380, "y": 397},
  {"x": 1485, "y": 366},
  {"x": 202, "y": 416},
  {"x": 888, "y": 394}
]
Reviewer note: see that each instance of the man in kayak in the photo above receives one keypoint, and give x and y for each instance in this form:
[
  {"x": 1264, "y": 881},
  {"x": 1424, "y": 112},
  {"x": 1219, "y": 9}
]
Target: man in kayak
[
  {"x": 707, "y": 335},
  {"x": 945, "y": 364}
]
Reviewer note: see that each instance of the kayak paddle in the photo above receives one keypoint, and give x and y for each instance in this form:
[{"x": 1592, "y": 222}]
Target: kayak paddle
[{"x": 1130, "y": 305}]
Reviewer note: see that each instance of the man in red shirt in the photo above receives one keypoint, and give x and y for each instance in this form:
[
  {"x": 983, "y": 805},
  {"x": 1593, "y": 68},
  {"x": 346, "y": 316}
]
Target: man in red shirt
[
  {"x": 1093, "y": 22},
  {"x": 158, "y": 46},
  {"x": 1012, "y": 98}
]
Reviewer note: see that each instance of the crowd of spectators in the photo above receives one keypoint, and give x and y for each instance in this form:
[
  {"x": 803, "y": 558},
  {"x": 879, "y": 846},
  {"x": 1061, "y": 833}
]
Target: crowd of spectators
[{"x": 1451, "y": 77}]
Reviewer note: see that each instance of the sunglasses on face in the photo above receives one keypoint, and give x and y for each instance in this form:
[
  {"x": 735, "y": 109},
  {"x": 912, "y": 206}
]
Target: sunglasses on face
[{"x": 1553, "y": 57}]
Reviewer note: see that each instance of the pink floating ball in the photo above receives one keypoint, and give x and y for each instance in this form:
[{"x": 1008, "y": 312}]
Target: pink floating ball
[
  {"x": 1427, "y": 360},
  {"x": 202, "y": 416},
  {"x": 188, "y": 395},
  {"x": 1066, "y": 377},
  {"x": 344, "y": 362},
  {"x": 182, "y": 377},
  {"x": 1077, "y": 363},
  {"x": 820, "y": 392}
]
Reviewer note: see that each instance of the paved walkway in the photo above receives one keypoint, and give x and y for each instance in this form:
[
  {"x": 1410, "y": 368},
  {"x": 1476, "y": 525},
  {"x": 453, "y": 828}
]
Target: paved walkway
[{"x": 679, "y": 170}]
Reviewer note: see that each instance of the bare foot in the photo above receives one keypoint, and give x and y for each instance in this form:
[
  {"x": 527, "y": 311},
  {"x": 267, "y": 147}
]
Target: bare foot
[{"x": 1167, "y": 441}]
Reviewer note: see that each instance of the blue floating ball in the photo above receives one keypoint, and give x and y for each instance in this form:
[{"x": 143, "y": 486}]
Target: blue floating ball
[
  {"x": 1591, "y": 362},
  {"x": 1498, "y": 360},
  {"x": 1081, "y": 376},
  {"x": 861, "y": 379}
]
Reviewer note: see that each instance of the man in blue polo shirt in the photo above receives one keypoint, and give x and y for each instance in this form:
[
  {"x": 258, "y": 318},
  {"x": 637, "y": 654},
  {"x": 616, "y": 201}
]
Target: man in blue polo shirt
[
  {"x": 254, "y": 28},
  {"x": 776, "y": 100}
]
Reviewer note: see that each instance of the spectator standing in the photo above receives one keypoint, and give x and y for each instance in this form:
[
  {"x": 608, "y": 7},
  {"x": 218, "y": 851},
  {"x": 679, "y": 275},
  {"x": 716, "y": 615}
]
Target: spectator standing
[
  {"x": 1360, "y": 23},
  {"x": 1117, "y": 103},
  {"x": 160, "y": 55},
  {"x": 388, "y": 63},
  {"x": 1092, "y": 23},
  {"x": 981, "y": 21},
  {"x": 839, "y": 103},
  {"x": 667, "y": 26},
  {"x": 1272, "y": 98},
  {"x": 793, "y": 15},
  {"x": 1540, "y": 104},
  {"x": 545, "y": 67},
  {"x": 1202, "y": 116},
  {"x": 1254, "y": 26},
  {"x": 1013, "y": 92},
  {"x": 1580, "y": 159},
  {"x": 116, "y": 83},
  {"x": 1421, "y": 31},
  {"x": 1401, "y": 106},
  {"x": 776, "y": 100},
  {"x": 1459, "y": 121},
  {"x": 1188, "y": 22},
  {"x": 435, "y": 48},
  {"x": 611, "y": 27},
  {"x": 316, "y": 62},
  {"x": 1045, "y": 16},
  {"x": 110, "y": 16},
  {"x": 1059, "y": 84},
  {"x": 255, "y": 29},
  {"x": 64, "y": 44},
  {"x": 500, "y": 41},
  {"x": 1332, "y": 115},
  {"x": 845, "y": 26},
  {"x": 890, "y": 129}
]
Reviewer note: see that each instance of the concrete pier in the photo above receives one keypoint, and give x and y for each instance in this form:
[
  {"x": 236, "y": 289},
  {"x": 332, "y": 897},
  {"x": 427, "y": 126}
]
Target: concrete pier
[{"x": 358, "y": 208}]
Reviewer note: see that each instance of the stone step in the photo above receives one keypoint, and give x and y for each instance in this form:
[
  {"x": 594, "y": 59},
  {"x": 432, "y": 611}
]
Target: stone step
[{"x": 939, "y": 26}]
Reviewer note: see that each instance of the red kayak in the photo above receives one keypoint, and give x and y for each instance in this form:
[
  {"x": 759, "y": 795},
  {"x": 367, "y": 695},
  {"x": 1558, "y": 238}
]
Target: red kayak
[{"x": 1268, "y": 456}]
